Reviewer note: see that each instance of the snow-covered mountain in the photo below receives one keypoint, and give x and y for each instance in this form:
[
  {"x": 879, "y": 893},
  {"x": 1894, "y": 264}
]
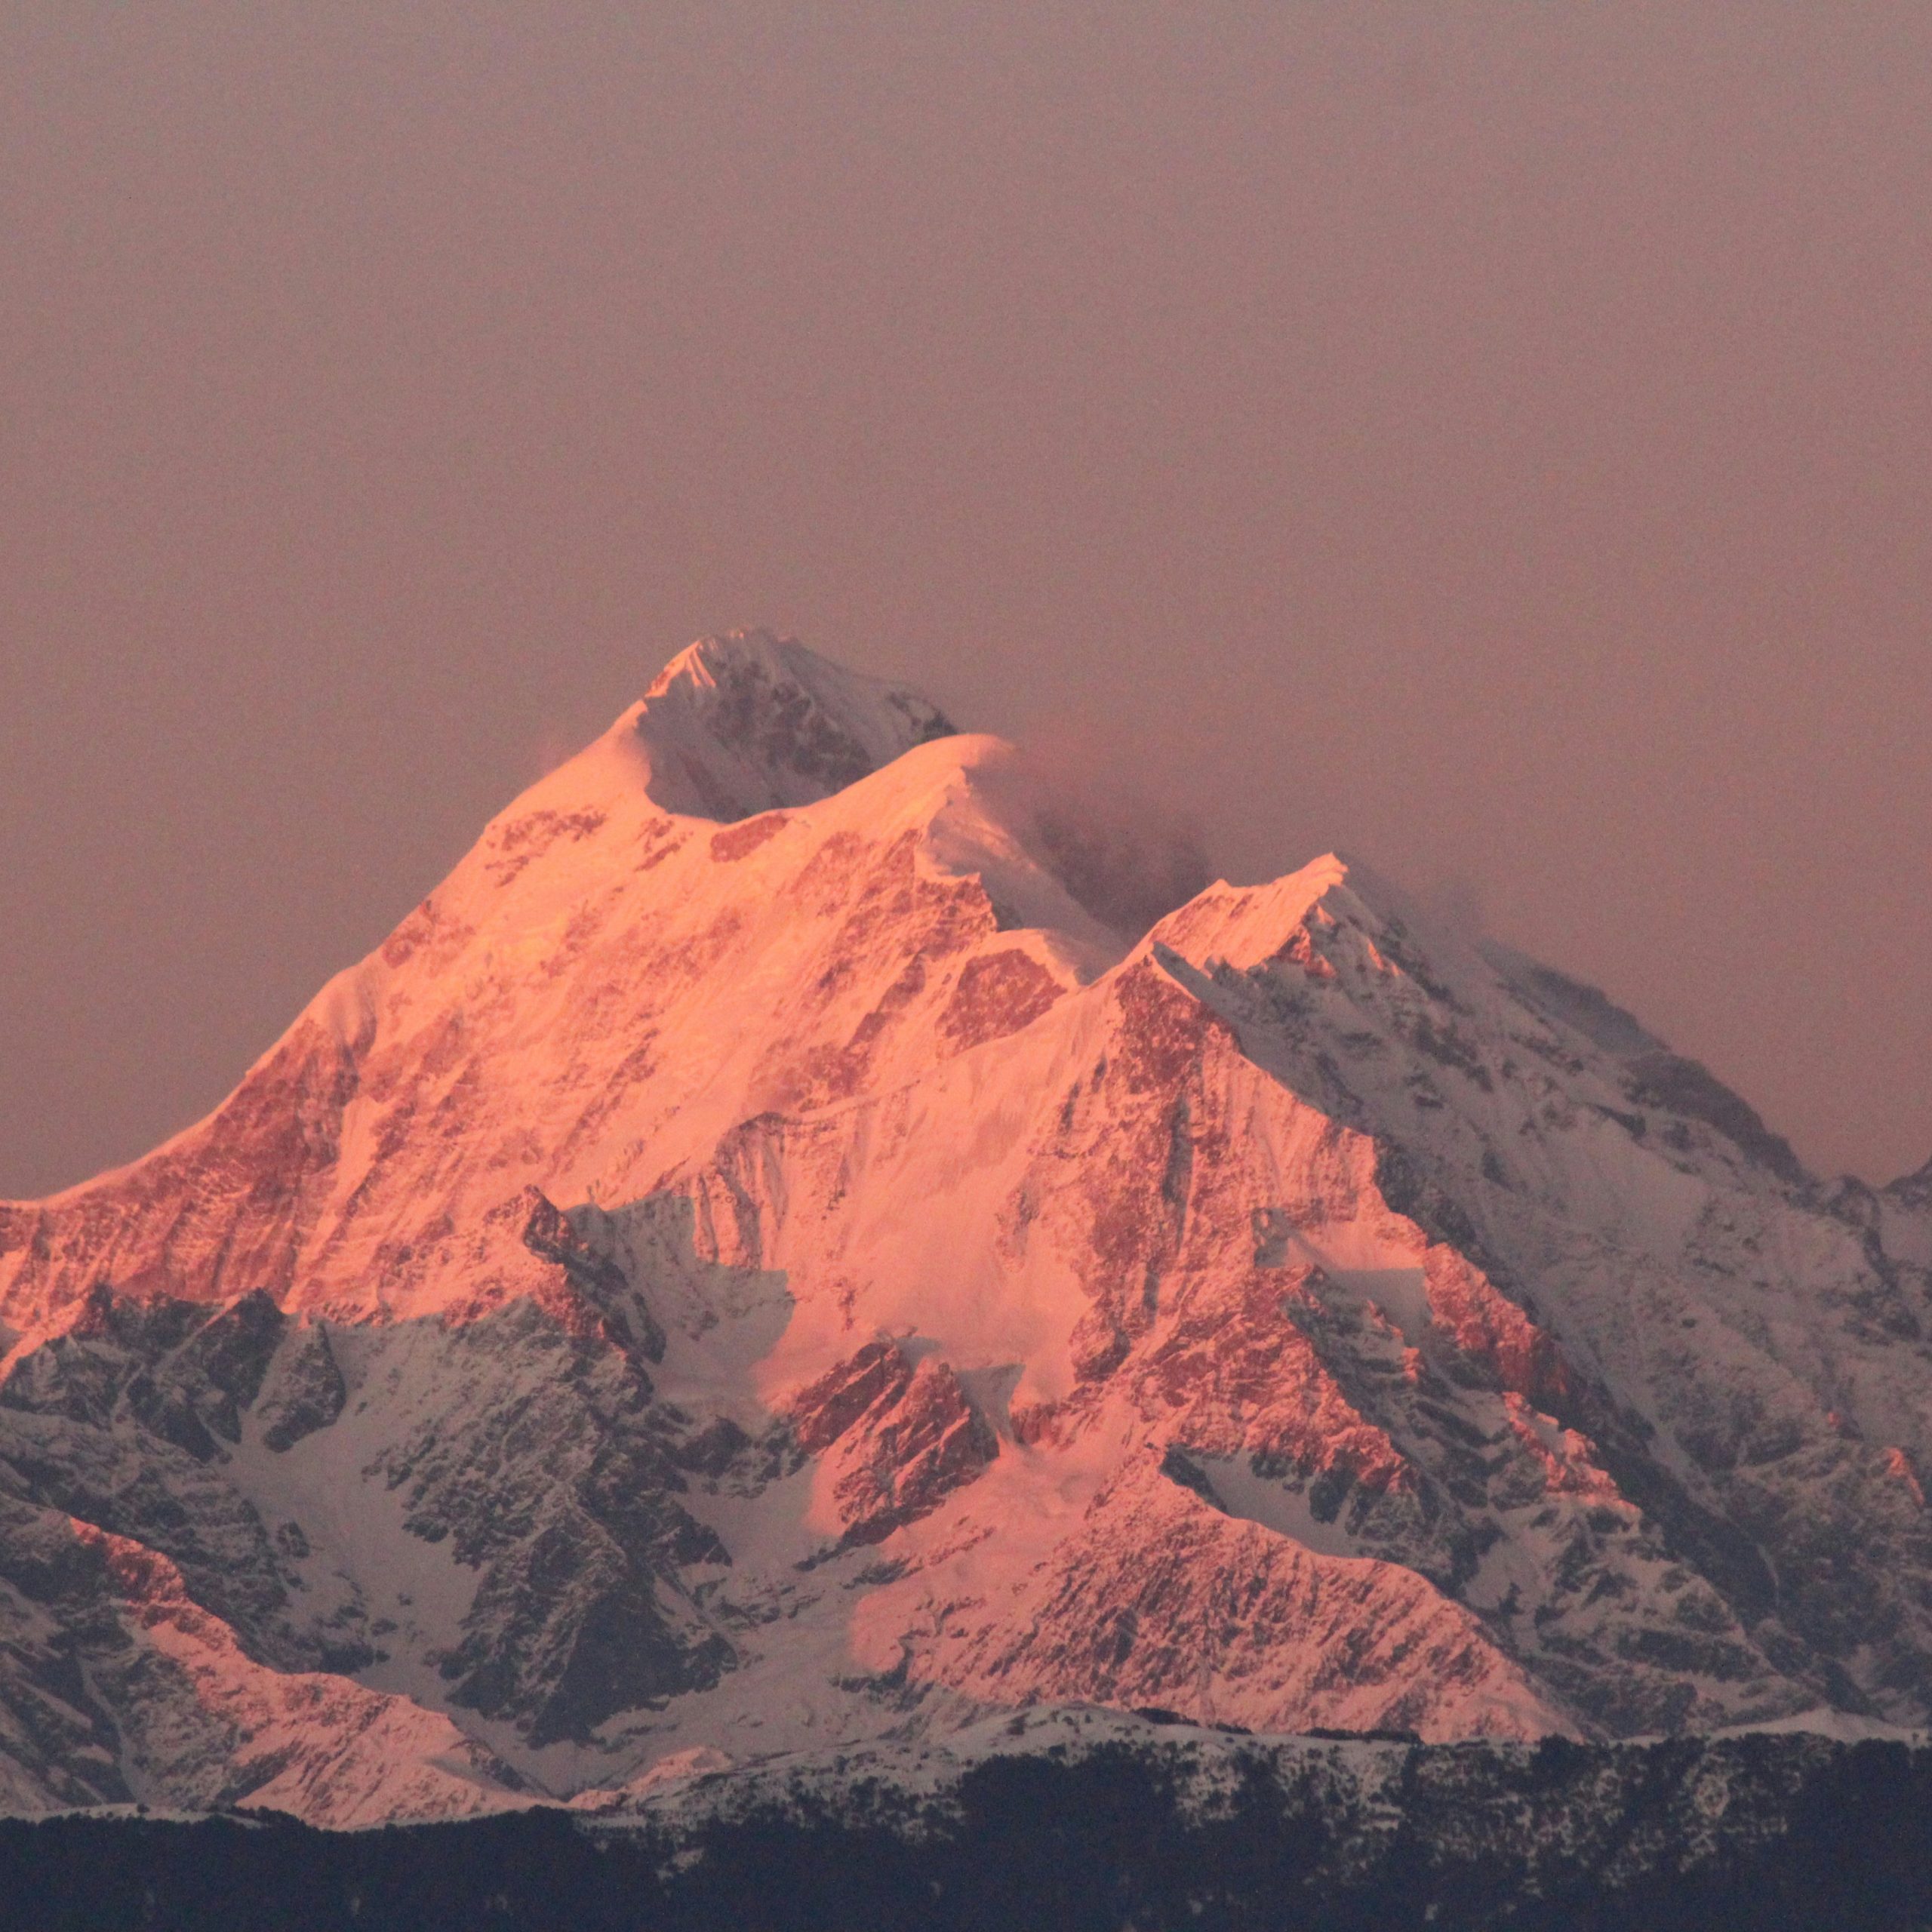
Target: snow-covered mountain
[{"x": 762, "y": 1259}]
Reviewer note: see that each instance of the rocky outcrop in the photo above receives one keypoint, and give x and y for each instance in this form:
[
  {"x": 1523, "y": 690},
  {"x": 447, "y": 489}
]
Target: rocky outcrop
[
  {"x": 124, "y": 1688},
  {"x": 1160, "y": 1598},
  {"x": 895, "y": 1440}
]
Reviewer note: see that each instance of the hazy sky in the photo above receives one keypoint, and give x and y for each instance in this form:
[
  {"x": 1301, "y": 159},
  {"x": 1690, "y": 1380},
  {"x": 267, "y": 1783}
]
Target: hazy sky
[{"x": 1495, "y": 439}]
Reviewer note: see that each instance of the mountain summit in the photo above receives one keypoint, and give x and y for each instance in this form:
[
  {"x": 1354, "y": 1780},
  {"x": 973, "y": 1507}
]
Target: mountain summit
[
  {"x": 748, "y": 722},
  {"x": 777, "y": 1252}
]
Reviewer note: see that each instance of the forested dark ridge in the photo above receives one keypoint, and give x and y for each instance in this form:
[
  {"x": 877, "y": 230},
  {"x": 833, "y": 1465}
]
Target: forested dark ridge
[{"x": 1717, "y": 1836}]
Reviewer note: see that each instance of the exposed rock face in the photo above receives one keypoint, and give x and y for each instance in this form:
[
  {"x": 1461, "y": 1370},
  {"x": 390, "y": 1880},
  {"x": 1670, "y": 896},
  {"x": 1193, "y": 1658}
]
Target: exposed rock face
[
  {"x": 308, "y": 1394},
  {"x": 896, "y": 1440},
  {"x": 755, "y": 1260},
  {"x": 121, "y": 1687},
  {"x": 1162, "y": 1598}
]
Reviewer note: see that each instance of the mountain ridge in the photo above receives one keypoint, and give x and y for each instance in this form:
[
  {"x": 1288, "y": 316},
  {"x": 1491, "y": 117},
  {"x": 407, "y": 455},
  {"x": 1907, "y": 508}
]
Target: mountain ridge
[{"x": 742, "y": 1279}]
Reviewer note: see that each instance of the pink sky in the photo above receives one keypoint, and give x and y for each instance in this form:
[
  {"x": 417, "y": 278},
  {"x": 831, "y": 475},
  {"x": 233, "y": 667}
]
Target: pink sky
[{"x": 1493, "y": 439}]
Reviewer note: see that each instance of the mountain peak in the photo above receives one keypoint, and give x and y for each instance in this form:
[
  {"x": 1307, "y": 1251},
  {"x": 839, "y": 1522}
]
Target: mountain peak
[
  {"x": 747, "y": 721},
  {"x": 720, "y": 655},
  {"x": 1246, "y": 925}
]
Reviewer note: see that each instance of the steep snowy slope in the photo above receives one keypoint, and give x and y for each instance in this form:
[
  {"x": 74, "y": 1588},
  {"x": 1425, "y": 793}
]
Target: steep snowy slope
[{"x": 757, "y": 1260}]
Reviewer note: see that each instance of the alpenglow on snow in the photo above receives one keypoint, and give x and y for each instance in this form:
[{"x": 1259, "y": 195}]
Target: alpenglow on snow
[{"x": 760, "y": 1261}]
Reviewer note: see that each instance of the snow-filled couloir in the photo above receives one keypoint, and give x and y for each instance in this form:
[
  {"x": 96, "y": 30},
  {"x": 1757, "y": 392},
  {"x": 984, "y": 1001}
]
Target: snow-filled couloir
[{"x": 761, "y": 1258}]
